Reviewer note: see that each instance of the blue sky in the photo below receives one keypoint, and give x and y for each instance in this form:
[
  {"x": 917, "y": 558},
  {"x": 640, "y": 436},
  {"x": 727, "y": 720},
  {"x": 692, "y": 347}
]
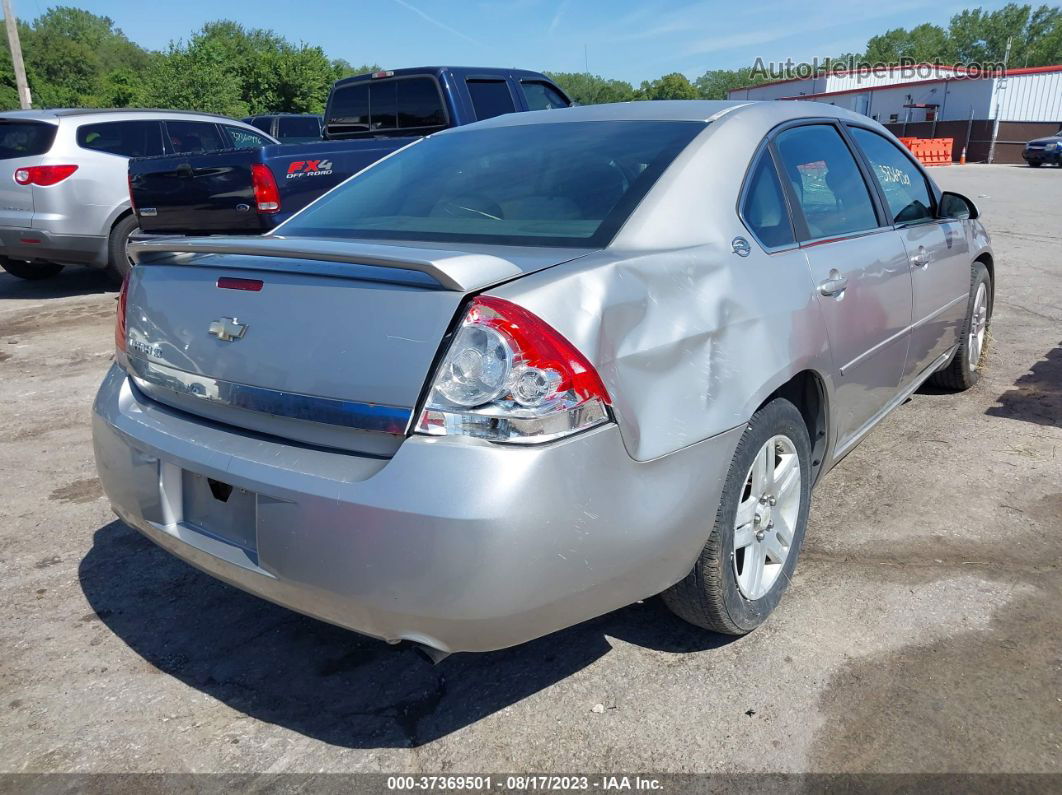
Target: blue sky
[{"x": 624, "y": 39}]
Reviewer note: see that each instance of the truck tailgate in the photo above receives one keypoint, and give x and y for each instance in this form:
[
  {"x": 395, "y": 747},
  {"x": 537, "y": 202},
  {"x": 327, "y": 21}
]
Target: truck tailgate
[{"x": 200, "y": 193}]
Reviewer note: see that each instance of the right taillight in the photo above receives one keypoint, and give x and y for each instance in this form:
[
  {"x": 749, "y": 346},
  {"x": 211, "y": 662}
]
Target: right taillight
[
  {"x": 510, "y": 377},
  {"x": 119, "y": 319},
  {"x": 266, "y": 193}
]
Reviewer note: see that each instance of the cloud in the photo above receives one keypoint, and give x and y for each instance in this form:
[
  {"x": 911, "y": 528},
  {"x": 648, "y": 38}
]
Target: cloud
[
  {"x": 437, "y": 23},
  {"x": 554, "y": 23}
]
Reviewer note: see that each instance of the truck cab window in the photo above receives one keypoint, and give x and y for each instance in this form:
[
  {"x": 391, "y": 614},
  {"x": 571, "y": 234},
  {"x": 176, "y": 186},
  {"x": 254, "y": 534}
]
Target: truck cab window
[
  {"x": 490, "y": 98},
  {"x": 542, "y": 96}
]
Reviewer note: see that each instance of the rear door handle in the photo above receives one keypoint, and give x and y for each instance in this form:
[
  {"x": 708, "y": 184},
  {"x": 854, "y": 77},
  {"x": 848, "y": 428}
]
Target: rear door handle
[
  {"x": 834, "y": 285},
  {"x": 921, "y": 258}
]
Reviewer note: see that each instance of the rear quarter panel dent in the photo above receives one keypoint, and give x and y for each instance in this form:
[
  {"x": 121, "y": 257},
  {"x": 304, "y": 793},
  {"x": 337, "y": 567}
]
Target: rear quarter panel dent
[{"x": 688, "y": 342}]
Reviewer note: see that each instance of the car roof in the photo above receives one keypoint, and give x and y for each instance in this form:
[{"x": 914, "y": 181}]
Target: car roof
[
  {"x": 458, "y": 71},
  {"x": 282, "y": 114},
  {"x": 770, "y": 112},
  {"x": 60, "y": 113}
]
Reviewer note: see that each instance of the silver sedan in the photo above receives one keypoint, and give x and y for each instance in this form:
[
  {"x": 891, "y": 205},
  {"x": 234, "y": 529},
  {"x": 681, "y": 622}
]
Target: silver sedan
[{"x": 528, "y": 371}]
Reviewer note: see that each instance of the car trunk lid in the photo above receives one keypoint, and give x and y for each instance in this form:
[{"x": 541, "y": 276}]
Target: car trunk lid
[
  {"x": 323, "y": 341},
  {"x": 23, "y": 143}
]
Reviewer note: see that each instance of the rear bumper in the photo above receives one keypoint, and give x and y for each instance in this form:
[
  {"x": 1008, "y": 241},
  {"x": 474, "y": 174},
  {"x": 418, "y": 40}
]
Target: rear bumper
[
  {"x": 37, "y": 244},
  {"x": 462, "y": 546}
]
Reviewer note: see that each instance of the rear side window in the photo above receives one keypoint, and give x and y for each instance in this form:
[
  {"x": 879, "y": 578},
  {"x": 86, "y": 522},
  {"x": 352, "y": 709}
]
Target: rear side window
[
  {"x": 382, "y": 106},
  {"x": 905, "y": 189},
  {"x": 542, "y": 96},
  {"x": 490, "y": 98},
  {"x": 763, "y": 209},
  {"x": 242, "y": 138},
  {"x": 189, "y": 137},
  {"x": 126, "y": 138},
  {"x": 263, "y": 123},
  {"x": 298, "y": 128},
  {"x": 25, "y": 138},
  {"x": 826, "y": 180}
]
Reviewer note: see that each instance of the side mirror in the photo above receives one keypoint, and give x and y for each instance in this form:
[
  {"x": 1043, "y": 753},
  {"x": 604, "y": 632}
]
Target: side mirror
[{"x": 955, "y": 205}]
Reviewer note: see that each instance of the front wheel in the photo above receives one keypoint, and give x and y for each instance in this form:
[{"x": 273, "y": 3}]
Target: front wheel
[
  {"x": 31, "y": 271},
  {"x": 750, "y": 555}
]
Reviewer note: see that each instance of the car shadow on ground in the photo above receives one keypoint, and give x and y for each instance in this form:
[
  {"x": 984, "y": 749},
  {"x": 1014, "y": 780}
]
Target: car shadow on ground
[
  {"x": 71, "y": 281},
  {"x": 325, "y": 682},
  {"x": 1037, "y": 396}
]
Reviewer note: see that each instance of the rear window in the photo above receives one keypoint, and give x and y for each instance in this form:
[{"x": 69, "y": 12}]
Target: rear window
[
  {"x": 299, "y": 128},
  {"x": 537, "y": 185},
  {"x": 263, "y": 123},
  {"x": 126, "y": 138},
  {"x": 25, "y": 138},
  {"x": 386, "y": 106},
  {"x": 490, "y": 98}
]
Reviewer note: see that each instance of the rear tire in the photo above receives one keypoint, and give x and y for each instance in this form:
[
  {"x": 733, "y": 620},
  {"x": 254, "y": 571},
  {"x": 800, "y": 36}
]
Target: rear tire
[
  {"x": 30, "y": 271},
  {"x": 118, "y": 264},
  {"x": 963, "y": 371},
  {"x": 738, "y": 579},
  {"x": 1035, "y": 164}
]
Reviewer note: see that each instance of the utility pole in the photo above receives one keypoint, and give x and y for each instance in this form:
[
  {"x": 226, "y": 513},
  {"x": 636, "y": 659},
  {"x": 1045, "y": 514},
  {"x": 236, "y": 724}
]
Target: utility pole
[
  {"x": 24, "y": 98},
  {"x": 1001, "y": 86}
]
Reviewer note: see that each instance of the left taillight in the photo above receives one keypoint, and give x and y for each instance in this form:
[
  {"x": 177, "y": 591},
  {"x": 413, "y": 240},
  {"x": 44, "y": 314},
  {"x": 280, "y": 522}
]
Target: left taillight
[
  {"x": 43, "y": 175},
  {"x": 266, "y": 193},
  {"x": 119, "y": 319},
  {"x": 510, "y": 377}
]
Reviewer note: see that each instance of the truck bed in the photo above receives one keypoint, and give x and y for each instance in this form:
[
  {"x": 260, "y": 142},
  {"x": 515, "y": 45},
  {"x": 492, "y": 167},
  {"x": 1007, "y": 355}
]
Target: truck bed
[{"x": 213, "y": 192}]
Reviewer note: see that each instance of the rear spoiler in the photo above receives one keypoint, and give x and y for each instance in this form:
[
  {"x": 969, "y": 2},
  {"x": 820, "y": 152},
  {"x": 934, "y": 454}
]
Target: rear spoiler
[{"x": 453, "y": 270}]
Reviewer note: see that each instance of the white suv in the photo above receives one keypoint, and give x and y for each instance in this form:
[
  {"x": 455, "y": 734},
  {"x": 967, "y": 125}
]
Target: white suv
[{"x": 65, "y": 197}]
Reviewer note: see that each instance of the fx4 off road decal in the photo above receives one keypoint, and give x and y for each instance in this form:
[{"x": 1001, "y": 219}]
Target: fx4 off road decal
[{"x": 309, "y": 168}]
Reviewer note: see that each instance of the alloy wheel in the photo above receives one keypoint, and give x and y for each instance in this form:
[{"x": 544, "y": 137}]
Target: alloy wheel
[
  {"x": 766, "y": 517},
  {"x": 978, "y": 324}
]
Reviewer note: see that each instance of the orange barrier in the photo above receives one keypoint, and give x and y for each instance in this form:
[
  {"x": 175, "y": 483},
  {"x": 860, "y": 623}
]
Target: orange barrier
[{"x": 930, "y": 151}]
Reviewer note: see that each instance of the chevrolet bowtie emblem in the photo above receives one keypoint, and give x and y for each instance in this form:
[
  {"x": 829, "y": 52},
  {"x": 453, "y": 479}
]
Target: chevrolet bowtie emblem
[{"x": 227, "y": 329}]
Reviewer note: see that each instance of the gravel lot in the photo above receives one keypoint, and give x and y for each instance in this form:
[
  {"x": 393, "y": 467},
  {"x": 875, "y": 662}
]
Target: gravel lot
[{"x": 923, "y": 631}]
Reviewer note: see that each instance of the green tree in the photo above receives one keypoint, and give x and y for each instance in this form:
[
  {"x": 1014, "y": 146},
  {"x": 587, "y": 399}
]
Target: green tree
[
  {"x": 198, "y": 77},
  {"x": 229, "y": 69},
  {"x": 981, "y": 36},
  {"x": 587, "y": 89},
  {"x": 670, "y": 86},
  {"x": 718, "y": 83},
  {"x": 343, "y": 68},
  {"x": 921, "y": 44}
]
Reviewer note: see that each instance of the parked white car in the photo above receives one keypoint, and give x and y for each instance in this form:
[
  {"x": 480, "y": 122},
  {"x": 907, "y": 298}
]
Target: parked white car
[{"x": 66, "y": 199}]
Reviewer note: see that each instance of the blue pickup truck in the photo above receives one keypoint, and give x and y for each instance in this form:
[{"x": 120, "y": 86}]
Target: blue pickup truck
[{"x": 252, "y": 189}]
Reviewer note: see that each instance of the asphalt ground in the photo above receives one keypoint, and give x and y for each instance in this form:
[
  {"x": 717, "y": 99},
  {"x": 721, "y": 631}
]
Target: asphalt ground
[{"x": 922, "y": 631}]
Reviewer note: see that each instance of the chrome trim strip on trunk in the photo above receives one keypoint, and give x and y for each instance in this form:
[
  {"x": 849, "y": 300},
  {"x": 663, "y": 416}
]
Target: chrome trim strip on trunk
[{"x": 331, "y": 411}]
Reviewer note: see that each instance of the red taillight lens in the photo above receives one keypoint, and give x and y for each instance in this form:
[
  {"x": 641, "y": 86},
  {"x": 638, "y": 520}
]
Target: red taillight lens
[
  {"x": 510, "y": 377},
  {"x": 43, "y": 175},
  {"x": 119, "y": 319},
  {"x": 266, "y": 193}
]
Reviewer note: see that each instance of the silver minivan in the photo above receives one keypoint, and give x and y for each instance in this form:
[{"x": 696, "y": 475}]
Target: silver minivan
[
  {"x": 64, "y": 199},
  {"x": 527, "y": 371}
]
